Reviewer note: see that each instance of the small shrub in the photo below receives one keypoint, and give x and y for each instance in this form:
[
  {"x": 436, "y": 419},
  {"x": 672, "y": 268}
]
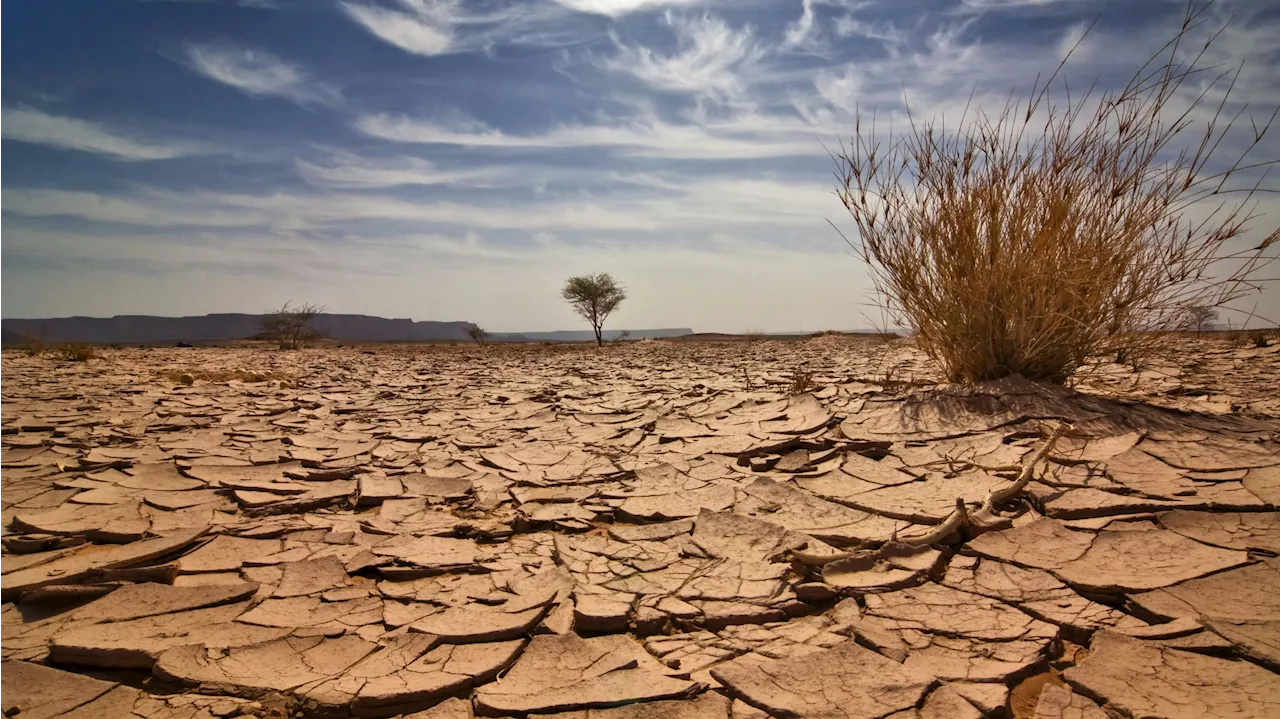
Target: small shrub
[
  {"x": 1051, "y": 232},
  {"x": 801, "y": 382},
  {"x": 754, "y": 336},
  {"x": 1260, "y": 338},
  {"x": 75, "y": 352}
]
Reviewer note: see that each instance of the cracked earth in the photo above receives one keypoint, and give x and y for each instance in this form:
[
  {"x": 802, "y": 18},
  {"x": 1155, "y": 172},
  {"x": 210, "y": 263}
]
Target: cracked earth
[{"x": 658, "y": 529}]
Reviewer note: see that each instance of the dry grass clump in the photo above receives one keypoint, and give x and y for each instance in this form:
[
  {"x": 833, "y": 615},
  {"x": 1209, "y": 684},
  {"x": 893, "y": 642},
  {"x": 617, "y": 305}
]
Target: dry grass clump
[
  {"x": 1260, "y": 338},
  {"x": 34, "y": 345},
  {"x": 74, "y": 352},
  {"x": 1028, "y": 241},
  {"x": 180, "y": 376},
  {"x": 801, "y": 382}
]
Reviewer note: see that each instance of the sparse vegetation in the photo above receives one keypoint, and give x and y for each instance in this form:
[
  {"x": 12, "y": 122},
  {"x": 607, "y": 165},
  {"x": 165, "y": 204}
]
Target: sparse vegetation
[
  {"x": 32, "y": 343},
  {"x": 477, "y": 333},
  {"x": 754, "y": 336},
  {"x": 801, "y": 382},
  {"x": 290, "y": 326},
  {"x": 74, "y": 352},
  {"x": 1034, "y": 239},
  {"x": 1259, "y": 338},
  {"x": 594, "y": 297}
]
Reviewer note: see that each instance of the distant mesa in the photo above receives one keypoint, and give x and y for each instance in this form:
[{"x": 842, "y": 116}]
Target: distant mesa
[{"x": 147, "y": 329}]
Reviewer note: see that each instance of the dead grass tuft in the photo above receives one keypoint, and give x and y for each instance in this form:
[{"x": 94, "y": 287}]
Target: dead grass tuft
[
  {"x": 801, "y": 382},
  {"x": 1029, "y": 241},
  {"x": 1260, "y": 338},
  {"x": 74, "y": 352}
]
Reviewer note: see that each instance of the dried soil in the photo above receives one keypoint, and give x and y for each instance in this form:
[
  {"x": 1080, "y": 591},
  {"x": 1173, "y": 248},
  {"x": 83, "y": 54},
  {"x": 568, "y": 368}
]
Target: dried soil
[{"x": 652, "y": 529}]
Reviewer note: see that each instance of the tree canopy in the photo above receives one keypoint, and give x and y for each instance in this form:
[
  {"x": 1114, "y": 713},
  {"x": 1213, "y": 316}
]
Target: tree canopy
[{"x": 594, "y": 297}]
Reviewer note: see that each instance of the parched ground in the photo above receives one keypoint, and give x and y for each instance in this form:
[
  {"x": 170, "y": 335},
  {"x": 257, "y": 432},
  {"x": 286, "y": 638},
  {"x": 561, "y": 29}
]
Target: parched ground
[{"x": 674, "y": 530}]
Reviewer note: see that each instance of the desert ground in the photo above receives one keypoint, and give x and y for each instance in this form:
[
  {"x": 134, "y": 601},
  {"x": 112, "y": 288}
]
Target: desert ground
[{"x": 685, "y": 530}]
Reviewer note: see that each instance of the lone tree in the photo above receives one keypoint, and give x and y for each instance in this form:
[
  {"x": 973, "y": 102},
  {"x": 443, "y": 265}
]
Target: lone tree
[
  {"x": 290, "y": 326},
  {"x": 477, "y": 333},
  {"x": 1200, "y": 316},
  {"x": 594, "y": 297}
]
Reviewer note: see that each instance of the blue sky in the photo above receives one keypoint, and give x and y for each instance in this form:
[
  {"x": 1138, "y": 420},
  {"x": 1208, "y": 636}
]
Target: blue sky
[{"x": 456, "y": 160}]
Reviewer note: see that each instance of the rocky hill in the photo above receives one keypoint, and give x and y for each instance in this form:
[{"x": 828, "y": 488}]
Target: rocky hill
[{"x": 146, "y": 329}]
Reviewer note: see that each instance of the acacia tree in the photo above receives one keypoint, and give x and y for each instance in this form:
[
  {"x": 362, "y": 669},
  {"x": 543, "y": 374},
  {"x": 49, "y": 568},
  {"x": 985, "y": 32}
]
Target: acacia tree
[
  {"x": 594, "y": 297},
  {"x": 1200, "y": 316},
  {"x": 290, "y": 326},
  {"x": 477, "y": 333}
]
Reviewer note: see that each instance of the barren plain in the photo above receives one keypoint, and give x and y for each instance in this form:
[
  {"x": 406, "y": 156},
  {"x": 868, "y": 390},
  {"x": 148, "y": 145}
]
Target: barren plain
[{"x": 656, "y": 529}]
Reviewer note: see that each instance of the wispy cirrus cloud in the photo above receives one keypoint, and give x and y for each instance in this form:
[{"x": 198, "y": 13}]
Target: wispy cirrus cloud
[
  {"x": 352, "y": 172},
  {"x": 441, "y": 27},
  {"x": 652, "y": 204},
  {"x": 259, "y": 73},
  {"x": 985, "y": 5},
  {"x": 742, "y": 137},
  {"x": 618, "y": 8},
  {"x": 710, "y": 59},
  {"x": 799, "y": 32},
  {"x": 422, "y": 28},
  {"x": 41, "y": 128}
]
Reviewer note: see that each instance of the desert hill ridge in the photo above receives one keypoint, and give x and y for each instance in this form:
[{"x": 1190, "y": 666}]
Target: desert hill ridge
[{"x": 222, "y": 327}]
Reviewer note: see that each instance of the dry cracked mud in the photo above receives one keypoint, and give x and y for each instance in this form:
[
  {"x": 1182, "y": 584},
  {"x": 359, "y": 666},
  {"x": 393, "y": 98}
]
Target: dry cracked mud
[{"x": 656, "y": 529}]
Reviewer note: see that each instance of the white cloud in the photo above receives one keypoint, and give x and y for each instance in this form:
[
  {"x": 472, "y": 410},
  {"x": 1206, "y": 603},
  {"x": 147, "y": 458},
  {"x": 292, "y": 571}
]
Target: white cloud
[
  {"x": 618, "y": 8},
  {"x": 69, "y": 133},
  {"x": 346, "y": 171},
  {"x": 257, "y": 72},
  {"x": 742, "y": 137},
  {"x": 142, "y": 211},
  {"x": 701, "y": 205},
  {"x": 712, "y": 58},
  {"x": 893, "y": 37},
  {"x": 422, "y": 28},
  {"x": 798, "y": 33},
  {"x": 439, "y": 27},
  {"x": 983, "y": 5}
]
